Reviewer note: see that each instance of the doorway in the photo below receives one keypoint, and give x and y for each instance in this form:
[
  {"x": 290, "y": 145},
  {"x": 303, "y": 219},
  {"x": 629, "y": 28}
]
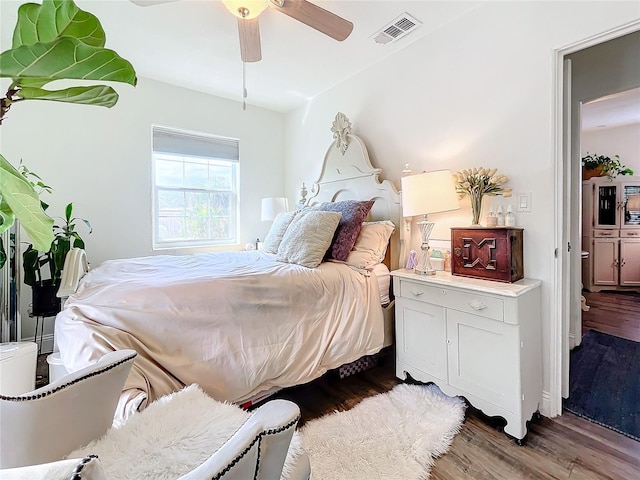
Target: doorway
[
  {"x": 605, "y": 64},
  {"x": 603, "y": 69}
]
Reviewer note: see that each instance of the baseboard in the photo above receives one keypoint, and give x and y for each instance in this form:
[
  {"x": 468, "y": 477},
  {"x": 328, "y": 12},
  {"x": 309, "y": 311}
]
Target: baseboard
[{"x": 47, "y": 343}]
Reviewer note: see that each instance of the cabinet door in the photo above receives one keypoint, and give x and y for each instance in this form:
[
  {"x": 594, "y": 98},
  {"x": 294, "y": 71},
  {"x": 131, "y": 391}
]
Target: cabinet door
[
  {"x": 421, "y": 336},
  {"x": 484, "y": 359},
  {"x": 630, "y": 193},
  {"x": 629, "y": 262},
  {"x": 606, "y": 206},
  {"x": 605, "y": 261}
]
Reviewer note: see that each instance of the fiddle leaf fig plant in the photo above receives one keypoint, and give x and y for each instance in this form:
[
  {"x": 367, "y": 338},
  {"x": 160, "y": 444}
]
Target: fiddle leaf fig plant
[{"x": 54, "y": 40}]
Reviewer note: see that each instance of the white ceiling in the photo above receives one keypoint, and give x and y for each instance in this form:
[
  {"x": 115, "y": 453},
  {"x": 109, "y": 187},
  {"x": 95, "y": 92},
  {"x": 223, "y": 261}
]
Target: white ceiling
[
  {"x": 612, "y": 110},
  {"x": 194, "y": 43}
]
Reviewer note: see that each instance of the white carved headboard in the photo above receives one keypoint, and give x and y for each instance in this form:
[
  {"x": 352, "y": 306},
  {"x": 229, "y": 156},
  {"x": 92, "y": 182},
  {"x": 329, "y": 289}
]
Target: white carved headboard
[{"x": 347, "y": 174}]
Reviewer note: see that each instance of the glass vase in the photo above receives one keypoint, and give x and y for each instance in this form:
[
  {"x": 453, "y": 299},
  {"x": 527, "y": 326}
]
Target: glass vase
[{"x": 476, "y": 207}]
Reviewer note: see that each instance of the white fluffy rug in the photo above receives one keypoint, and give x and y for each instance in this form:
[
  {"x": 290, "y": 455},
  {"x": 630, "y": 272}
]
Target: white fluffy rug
[{"x": 395, "y": 435}]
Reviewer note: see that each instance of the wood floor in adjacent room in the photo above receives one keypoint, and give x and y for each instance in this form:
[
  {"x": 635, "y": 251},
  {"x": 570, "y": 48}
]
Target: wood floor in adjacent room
[
  {"x": 615, "y": 313},
  {"x": 567, "y": 447}
]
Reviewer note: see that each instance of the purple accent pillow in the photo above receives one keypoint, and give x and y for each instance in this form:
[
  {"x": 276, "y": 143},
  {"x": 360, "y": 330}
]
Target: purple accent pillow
[{"x": 354, "y": 212}]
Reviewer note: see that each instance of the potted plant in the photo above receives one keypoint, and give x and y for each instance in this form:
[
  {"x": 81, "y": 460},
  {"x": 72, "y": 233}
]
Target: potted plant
[
  {"x": 52, "y": 41},
  {"x": 594, "y": 165},
  {"x": 65, "y": 237}
]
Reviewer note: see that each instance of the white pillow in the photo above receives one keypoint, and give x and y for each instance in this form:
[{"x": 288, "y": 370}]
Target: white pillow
[
  {"x": 87, "y": 468},
  {"x": 371, "y": 245},
  {"x": 277, "y": 231},
  {"x": 308, "y": 237}
]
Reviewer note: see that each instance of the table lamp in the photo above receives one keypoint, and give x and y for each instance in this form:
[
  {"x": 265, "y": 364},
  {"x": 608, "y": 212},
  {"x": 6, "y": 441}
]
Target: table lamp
[
  {"x": 271, "y": 207},
  {"x": 422, "y": 194}
]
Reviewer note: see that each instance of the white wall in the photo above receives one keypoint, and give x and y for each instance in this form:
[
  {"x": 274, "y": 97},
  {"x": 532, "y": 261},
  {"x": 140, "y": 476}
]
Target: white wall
[
  {"x": 623, "y": 141},
  {"x": 477, "y": 92},
  {"x": 100, "y": 159}
]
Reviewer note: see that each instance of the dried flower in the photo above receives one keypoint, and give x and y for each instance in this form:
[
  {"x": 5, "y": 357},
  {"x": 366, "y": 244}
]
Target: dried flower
[{"x": 481, "y": 181}]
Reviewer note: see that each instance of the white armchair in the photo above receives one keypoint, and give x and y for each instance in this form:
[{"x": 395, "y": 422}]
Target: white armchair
[
  {"x": 48, "y": 423},
  {"x": 190, "y": 436}
]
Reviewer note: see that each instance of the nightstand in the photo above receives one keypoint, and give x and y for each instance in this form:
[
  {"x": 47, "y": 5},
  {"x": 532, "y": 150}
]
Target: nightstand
[{"x": 474, "y": 338}]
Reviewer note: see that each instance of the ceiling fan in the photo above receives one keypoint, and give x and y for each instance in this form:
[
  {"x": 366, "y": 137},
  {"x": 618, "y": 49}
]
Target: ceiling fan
[{"x": 248, "y": 12}]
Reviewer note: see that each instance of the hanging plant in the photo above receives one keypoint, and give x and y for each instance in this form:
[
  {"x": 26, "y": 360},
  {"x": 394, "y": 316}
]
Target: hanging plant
[{"x": 602, "y": 165}]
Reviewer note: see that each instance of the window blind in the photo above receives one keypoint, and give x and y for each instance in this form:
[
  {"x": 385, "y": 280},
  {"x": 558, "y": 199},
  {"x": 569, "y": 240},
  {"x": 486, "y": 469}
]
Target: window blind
[{"x": 197, "y": 145}]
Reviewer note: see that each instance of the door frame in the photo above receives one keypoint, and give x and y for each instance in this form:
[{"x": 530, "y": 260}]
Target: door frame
[{"x": 568, "y": 187}]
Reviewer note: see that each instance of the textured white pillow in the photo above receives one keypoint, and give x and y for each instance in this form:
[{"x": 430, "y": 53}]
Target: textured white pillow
[
  {"x": 308, "y": 237},
  {"x": 88, "y": 468},
  {"x": 277, "y": 231},
  {"x": 371, "y": 244}
]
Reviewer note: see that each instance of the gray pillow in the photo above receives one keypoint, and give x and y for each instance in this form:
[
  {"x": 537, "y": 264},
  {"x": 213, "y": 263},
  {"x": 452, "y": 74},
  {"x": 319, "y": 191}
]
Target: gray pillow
[
  {"x": 277, "y": 231},
  {"x": 308, "y": 237}
]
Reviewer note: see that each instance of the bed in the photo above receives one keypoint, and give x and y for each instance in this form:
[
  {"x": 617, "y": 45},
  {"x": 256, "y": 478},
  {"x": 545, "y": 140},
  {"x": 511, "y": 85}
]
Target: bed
[{"x": 245, "y": 324}]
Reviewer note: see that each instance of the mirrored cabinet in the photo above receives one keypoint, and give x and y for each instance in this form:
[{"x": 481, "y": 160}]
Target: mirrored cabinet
[{"x": 611, "y": 233}]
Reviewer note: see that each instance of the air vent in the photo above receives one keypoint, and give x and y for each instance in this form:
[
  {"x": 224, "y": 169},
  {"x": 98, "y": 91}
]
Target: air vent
[{"x": 397, "y": 29}]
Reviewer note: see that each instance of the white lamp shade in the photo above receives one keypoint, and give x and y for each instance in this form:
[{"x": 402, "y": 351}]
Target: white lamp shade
[
  {"x": 271, "y": 207},
  {"x": 428, "y": 192}
]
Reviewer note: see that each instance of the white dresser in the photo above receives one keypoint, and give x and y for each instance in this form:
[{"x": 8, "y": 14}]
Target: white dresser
[{"x": 475, "y": 338}]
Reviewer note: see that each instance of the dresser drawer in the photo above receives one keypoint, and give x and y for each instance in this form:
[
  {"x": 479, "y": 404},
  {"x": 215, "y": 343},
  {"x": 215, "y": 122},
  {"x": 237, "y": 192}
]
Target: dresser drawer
[
  {"x": 630, "y": 233},
  {"x": 482, "y": 305},
  {"x": 602, "y": 233}
]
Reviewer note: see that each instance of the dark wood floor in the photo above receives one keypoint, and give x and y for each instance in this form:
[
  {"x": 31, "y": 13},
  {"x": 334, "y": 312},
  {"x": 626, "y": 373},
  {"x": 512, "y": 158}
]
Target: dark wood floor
[
  {"x": 616, "y": 313},
  {"x": 567, "y": 447}
]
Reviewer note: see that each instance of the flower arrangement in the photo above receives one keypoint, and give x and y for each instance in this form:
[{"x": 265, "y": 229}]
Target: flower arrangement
[{"x": 477, "y": 183}]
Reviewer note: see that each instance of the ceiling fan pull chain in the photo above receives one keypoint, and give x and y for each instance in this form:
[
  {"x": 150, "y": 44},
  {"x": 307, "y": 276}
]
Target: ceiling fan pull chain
[{"x": 244, "y": 85}]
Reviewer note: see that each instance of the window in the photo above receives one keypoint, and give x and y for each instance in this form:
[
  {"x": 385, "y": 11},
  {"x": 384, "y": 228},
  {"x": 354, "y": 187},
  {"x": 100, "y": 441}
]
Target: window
[{"x": 195, "y": 187}]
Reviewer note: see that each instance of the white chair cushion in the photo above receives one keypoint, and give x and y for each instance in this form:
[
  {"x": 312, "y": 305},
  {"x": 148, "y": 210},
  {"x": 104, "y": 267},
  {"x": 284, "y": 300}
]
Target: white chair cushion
[{"x": 171, "y": 437}]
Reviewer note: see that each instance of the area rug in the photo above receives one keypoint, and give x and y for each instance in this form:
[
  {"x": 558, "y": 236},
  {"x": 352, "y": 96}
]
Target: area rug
[
  {"x": 392, "y": 436},
  {"x": 604, "y": 382}
]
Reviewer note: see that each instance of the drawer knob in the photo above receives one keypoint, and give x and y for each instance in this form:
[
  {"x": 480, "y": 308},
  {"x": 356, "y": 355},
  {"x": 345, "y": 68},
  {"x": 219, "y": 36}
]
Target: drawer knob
[
  {"x": 416, "y": 293},
  {"x": 477, "y": 305}
]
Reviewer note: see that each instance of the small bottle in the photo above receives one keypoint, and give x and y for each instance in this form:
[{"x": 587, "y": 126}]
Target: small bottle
[
  {"x": 447, "y": 261},
  {"x": 257, "y": 243},
  {"x": 510, "y": 218},
  {"x": 492, "y": 220},
  {"x": 500, "y": 217}
]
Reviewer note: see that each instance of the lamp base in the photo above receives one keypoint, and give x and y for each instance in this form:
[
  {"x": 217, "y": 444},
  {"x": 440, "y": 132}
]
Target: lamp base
[{"x": 424, "y": 264}]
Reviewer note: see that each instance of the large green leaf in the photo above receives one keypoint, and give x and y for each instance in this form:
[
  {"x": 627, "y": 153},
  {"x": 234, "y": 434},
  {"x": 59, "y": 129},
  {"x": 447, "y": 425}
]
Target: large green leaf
[
  {"x": 99, "y": 95},
  {"x": 66, "y": 58},
  {"x": 6, "y": 216},
  {"x": 53, "y": 19},
  {"x": 23, "y": 201}
]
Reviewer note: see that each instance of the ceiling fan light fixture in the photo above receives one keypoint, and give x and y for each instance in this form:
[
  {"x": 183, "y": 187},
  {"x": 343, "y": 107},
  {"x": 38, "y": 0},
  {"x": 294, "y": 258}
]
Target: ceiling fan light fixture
[{"x": 246, "y": 9}]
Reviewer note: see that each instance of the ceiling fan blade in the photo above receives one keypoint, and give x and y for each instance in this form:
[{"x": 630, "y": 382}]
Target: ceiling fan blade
[
  {"x": 316, "y": 17},
  {"x": 149, "y": 3},
  {"x": 249, "y": 31}
]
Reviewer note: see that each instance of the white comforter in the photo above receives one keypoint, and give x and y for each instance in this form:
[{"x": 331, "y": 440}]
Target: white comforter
[{"x": 236, "y": 323}]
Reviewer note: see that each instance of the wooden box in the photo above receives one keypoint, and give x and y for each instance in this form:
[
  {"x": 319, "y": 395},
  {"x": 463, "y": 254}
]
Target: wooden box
[{"x": 488, "y": 253}]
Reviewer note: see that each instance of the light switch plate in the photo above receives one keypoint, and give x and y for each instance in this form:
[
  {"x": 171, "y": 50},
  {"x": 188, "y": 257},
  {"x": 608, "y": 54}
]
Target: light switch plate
[{"x": 524, "y": 202}]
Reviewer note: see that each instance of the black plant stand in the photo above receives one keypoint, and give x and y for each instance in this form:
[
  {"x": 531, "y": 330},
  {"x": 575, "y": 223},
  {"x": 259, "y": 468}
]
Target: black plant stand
[{"x": 45, "y": 304}]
